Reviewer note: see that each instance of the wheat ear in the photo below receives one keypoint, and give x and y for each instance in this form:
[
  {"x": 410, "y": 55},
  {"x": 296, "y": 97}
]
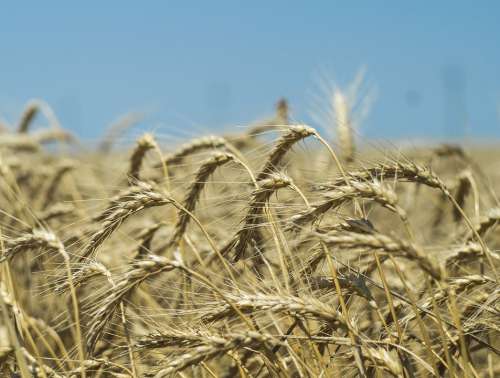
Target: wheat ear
[
  {"x": 256, "y": 207},
  {"x": 116, "y": 129},
  {"x": 294, "y": 134},
  {"x": 197, "y": 145},
  {"x": 139, "y": 272},
  {"x": 31, "y": 110},
  {"x": 344, "y": 125},
  {"x": 144, "y": 144},
  {"x": 127, "y": 203},
  {"x": 387, "y": 244},
  {"x": 374, "y": 190},
  {"x": 214, "y": 346},
  {"x": 206, "y": 169}
]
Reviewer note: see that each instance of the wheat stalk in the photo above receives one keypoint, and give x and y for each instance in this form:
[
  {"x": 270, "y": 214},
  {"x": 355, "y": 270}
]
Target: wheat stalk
[
  {"x": 116, "y": 129},
  {"x": 63, "y": 169},
  {"x": 144, "y": 144},
  {"x": 140, "y": 271},
  {"x": 38, "y": 238},
  {"x": 294, "y": 134},
  {"x": 398, "y": 170},
  {"x": 281, "y": 118},
  {"x": 124, "y": 205},
  {"x": 195, "y": 146},
  {"x": 206, "y": 169},
  {"x": 215, "y": 346},
  {"x": 30, "y": 111},
  {"x": 341, "y": 194},
  {"x": 385, "y": 243},
  {"x": 256, "y": 206},
  {"x": 344, "y": 125},
  {"x": 296, "y": 306},
  {"x": 489, "y": 221}
]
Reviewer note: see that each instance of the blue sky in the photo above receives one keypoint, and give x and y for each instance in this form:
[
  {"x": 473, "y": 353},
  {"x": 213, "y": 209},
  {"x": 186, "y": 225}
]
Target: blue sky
[{"x": 209, "y": 65}]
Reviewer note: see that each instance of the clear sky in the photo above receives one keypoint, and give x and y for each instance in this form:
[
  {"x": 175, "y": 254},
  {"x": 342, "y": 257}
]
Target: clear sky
[{"x": 435, "y": 65}]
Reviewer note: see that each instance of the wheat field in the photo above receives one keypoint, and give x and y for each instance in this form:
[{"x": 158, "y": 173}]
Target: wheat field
[{"x": 271, "y": 252}]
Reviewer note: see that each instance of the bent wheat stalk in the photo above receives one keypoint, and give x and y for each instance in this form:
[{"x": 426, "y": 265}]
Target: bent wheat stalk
[
  {"x": 488, "y": 222},
  {"x": 197, "y": 145},
  {"x": 88, "y": 271},
  {"x": 214, "y": 346},
  {"x": 343, "y": 193},
  {"x": 124, "y": 205},
  {"x": 38, "y": 238},
  {"x": 194, "y": 191},
  {"x": 63, "y": 169},
  {"x": 139, "y": 272},
  {"x": 144, "y": 144},
  {"x": 49, "y": 241},
  {"x": 297, "y": 306},
  {"x": 116, "y": 129},
  {"x": 412, "y": 172},
  {"x": 31, "y": 110},
  {"x": 283, "y": 145},
  {"x": 387, "y": 244},
  {"x": 281, "y": 118},
  {"x": 258, "y": 200},
  {"x": 397, "y": 170},
  {"x": 50, "y": 135}
]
